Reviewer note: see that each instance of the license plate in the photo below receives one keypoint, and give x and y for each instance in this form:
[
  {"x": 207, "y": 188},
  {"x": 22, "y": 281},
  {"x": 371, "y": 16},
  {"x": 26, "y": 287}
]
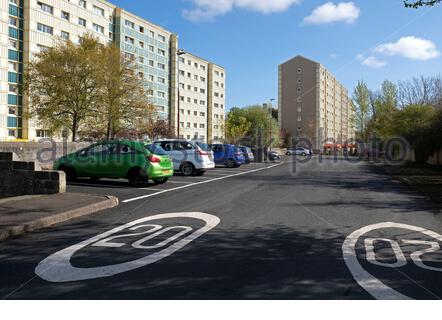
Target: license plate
[{"x": 167, "y": 171}]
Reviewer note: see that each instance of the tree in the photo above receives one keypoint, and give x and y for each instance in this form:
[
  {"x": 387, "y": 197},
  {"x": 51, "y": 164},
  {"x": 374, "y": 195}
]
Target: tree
[
  {"x": 420, "y": 3},
  {"x": 237, "y": 126},
  {"x": 361, "y": 100},
  {"x": 61, "y": 86},
  {"x": 124, "y": 97},
  {"x": 159, "y": 128}
]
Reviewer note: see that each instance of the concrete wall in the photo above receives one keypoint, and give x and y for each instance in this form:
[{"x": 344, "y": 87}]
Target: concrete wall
[
  {"x": 18, "y": 178},
  {"x": 42, "y": 153}
]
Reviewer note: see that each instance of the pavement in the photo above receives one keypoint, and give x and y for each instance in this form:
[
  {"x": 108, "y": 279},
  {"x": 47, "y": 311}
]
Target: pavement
[
  {"x": 324, "y": 229},
  {"x": 28, "y": 213}
]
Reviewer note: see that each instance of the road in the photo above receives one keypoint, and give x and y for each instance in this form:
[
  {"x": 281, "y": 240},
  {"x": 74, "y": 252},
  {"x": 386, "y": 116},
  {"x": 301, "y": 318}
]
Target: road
[{"x": 283, "y": 231}]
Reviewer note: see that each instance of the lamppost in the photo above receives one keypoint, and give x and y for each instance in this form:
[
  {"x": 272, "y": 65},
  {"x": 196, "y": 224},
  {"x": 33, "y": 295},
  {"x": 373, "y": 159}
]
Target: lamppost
[
  {"x": 179, "y": 53},
  {"x": 271, "y": 122}
]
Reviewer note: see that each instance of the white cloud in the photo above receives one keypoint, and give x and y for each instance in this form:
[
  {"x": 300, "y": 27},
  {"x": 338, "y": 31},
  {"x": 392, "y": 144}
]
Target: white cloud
[
  {"x": 373, "y": 62},
  {"x": 208, "y": 9},
  {"x": 329, "y": 12},
  {"x": 411, "y": 48}
]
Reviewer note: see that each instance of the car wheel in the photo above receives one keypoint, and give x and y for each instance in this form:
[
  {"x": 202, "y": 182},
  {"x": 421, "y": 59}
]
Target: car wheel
[
  {"x": 304, "y": 154},
  {"x": 138, "y": 178},
  {"x": 187, "y": 169},
  {"x": 71, "y": 174},
  {"x": 230, "y": 163},
  {"x": 160, "y": 181}
]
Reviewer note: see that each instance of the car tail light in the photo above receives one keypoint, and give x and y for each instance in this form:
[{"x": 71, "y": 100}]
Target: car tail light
[
  {"x": 153, "y": 158},
  {"x": 203, "y": 153},
  {"x": 237, "y": 153}
]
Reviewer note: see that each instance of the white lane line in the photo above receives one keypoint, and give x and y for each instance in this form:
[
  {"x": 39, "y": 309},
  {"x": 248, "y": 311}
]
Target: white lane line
[
  {"x": 151, "y": 189},
  {"x": 198, "y": 183},
  {"x": 180, "y": 182}
]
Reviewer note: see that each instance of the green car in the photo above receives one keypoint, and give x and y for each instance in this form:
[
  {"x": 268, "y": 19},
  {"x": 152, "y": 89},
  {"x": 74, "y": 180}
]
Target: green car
[{"x": 118, "y": 159}]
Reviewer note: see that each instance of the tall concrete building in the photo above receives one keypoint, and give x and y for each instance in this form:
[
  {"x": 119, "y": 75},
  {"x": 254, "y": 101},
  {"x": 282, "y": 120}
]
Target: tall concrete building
[
  {"x": 313, "y": 104},
  {"x": 202, "y": 99},
  {"x": 29, "y": 26}
]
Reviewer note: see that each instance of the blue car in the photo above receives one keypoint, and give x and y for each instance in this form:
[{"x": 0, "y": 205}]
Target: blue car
[{"x": 228, "y": 155}]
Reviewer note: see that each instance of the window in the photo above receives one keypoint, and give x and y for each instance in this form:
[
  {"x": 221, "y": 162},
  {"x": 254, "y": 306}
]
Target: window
[
  {"x": 13, "y": 44},
  {"x": 41, "y": 48},
  {"x": 12, "y": 133},
  {"x": 195, "y": 113},
  {"x": 65, "y": 15},
  {"x": 162, "y": 38},
  {"x": 151, "y": 78},
  {"x": 188, "y": 112},
  {"x": 129, "y": 40},
  {"x": 188, "y": 124},
  {"x": 42, "y": 133},
  {"x": 64, "y": 35},
  {"x": 202, "y": 126},
  {"x": 130, "y": 24},
  {"x": 13, "y": 21},
  {"x": 13, "y": 88},
  {"x": 98, "y": 28},
  {"x": 216, "y": 94},
  {"x": 217, "y": 83},
  {"x": 129, "y": 55},
  {"x": 181, "y": 59},
  {"x": 140, "y": 75},
  {"x": 217, "y": 73},
  {"x": 195, "y": 125},
  {"x": 151, "y": 63},
  {"x": 161, "y": 94},
  {"x": 151, "y": 48},
  {"x": 82, "y": 3},
  {"x": 141, "y": 44},
  {"x": 161, "y": 80},
  {"x": 98, "y": 11},
  {"x": 161, "y": 66},
  {"x": 202, "y": 114},
  {"x": 299, "y": 70},
  {"x": 202, "y": 102},
  {"x": 82, "y": 22},
  {"x": 161, "y": 52},
  {"x": 203, "y": 68},
  {"x": 12, "y": 111},
  {"x": 44, "y": 7},
  {"x": 141, "y": 59},
  {"x": 202, "y": 79},
  {"x": 195, "y": 77},
  {"x": 152, "y": 34},
  {"x": 141, "y": 29},
  {"x": 44, "y": 28},
  {"x": 216, "y": 105},
  {"x": 182, "y": 124},
  {"x": 182, "y": 73},
  {"x": 203, "y": 91},
  {"x": 196, "y": 65}
]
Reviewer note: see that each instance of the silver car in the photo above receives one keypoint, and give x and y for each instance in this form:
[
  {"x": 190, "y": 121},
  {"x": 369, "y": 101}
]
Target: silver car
[{"x": 299, "y": 152}]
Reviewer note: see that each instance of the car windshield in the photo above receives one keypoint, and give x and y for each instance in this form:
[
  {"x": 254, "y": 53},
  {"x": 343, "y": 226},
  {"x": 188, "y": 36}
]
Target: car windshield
[
  {"x": 203, "y": 146},
  {"x": 156, "y": 149}
]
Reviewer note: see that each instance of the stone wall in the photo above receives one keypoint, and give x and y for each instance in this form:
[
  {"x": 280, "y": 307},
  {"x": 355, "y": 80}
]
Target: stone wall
[
  {"x": 42, "y": 153},
  {"x": 19, "y": 178}
]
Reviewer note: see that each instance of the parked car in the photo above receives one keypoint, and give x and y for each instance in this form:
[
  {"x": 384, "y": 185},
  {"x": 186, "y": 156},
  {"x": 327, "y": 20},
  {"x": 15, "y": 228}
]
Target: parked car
[
  {"x": 248, "y": 154},
  {"x": 118, "y": 159},
  {"x": 228, "y": 155},
  {"x": 273, "y": 156},
  {"x": 188, "y": 158},
  {"x": 299, "y": 152},
  {"x": 205, "y": 147}
]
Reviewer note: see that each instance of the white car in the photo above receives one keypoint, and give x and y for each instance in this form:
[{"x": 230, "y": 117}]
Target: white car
[
  {"x": 188, "y": 158},
  {"x": 299, "y": 152}
]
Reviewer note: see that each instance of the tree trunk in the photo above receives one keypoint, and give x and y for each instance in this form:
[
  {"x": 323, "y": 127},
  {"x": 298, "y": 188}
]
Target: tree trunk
[{"x": 74, "y": 129}]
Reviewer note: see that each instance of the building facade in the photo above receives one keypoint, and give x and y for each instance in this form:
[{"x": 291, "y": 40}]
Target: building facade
[
  {"x": 313, "y": 104},
  {"x": 29, "y": 26},
  {"x": 201, "y": 99}
]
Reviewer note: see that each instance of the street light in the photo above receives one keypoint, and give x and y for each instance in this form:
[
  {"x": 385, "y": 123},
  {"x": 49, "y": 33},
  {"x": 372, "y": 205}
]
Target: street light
[
  {"x": 271, "y": 117},
  {"x": 179, "y": 53}
]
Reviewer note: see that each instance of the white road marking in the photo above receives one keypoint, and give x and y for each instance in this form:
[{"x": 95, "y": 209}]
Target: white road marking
[
  {"x": 58, "y": 267},
  {"x": 372, "y": 285},
  {"x": 179, "y": 182},
  {"x": 150, "y": 189},
  {"x": 199, "y": 183},
  {"x": 401, "y": 261}
]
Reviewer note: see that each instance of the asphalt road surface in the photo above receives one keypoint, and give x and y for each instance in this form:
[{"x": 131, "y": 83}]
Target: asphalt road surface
[{"x": 320, "y": 230}]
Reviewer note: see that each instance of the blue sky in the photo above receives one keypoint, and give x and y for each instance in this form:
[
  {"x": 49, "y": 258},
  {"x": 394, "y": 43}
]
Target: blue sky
[{"x": 371, "y": 40}]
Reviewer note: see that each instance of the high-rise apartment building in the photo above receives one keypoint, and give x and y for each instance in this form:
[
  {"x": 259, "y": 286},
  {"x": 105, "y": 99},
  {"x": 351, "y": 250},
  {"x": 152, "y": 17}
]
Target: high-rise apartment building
[
  {"x": 313, "y": 104},
  {"x": 202, "y": 99},
  {"x": 29, "y": 26}
]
